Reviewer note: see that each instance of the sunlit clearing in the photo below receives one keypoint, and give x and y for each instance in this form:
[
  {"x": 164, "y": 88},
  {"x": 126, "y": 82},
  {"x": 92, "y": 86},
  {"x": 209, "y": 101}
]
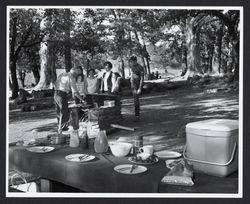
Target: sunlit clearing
[{"x": 160, "y": 106}]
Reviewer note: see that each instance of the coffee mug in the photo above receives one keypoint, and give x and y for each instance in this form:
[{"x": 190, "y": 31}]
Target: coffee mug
[
  {"x": 143, "y": 155},
  {"x": 148, "y": 149}
]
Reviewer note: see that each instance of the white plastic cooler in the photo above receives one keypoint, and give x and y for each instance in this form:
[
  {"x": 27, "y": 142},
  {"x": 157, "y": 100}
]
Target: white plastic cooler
[{"x": 211, "y": 145}]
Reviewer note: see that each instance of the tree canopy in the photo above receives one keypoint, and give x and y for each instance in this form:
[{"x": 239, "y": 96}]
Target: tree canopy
[{"x": 198, "y": 41}]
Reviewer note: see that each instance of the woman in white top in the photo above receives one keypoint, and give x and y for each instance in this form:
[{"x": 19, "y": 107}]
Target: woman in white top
[
  {"x": 81, "y": 82},
  {"x": 93, "y": 83}
]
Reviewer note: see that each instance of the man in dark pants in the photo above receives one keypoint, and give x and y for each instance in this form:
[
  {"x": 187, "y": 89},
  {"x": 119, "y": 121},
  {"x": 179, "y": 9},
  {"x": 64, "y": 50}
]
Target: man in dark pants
[
  {"x": 137, "y": 78},
  {"x": 65, "y": 83}
]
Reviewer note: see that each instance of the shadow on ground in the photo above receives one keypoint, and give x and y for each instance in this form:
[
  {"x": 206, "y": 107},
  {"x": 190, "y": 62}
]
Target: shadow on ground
[
  {"x": 164, "y": 117},
  {"x": 162, "y": 123}
]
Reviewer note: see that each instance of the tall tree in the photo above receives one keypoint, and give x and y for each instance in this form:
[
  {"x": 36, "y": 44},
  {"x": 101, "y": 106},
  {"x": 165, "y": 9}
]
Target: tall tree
[
  {"x": 67, "y": 42},
  {"x": 23, "y": 33},
  {"x": 47, "y": 52}
]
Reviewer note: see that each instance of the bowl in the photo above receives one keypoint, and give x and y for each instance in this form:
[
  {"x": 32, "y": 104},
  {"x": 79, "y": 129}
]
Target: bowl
[
  {"x": 57, "y": 138},
  {"x": 120, "y": 149}
]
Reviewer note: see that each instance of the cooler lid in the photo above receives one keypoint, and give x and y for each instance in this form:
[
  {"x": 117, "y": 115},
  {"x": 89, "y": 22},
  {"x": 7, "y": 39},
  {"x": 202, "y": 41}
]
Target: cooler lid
[{"x": 222, "y": 125}]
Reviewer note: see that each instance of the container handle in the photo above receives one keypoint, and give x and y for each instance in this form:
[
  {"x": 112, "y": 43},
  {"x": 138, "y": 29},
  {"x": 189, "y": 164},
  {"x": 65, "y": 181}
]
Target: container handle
[{"x": 212, "y": 163}]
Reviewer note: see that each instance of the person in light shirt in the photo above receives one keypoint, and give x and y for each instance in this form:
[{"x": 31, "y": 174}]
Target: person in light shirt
[
  {"x": 93, "y": 83},
  {"x": 81, "y": 81},
  {"x": 65, "y": 84},
  {"x": 110, "y": 80}
]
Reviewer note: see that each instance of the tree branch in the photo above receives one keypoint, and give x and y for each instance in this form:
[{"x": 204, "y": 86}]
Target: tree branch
[
  {"x": 34, "y": 43},
  {"x": 24, "y": 40}
]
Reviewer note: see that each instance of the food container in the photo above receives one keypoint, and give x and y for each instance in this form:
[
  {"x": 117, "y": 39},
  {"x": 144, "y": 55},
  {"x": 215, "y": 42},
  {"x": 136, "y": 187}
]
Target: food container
[
  {"x": 211, "y": 145},
  {"x": 57, "y": 138},
  {"x": 120, "y": 149},
  {"x": 109, "y": 103}
]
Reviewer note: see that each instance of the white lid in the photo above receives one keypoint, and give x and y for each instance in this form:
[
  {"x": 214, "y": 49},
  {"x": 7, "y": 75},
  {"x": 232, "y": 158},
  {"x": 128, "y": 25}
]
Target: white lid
[{"x": 225, "y": 125}]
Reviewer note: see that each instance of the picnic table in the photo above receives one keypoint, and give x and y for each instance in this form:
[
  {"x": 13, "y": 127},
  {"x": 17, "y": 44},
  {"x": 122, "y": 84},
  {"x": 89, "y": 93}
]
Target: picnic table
[{"x": 99, "y": 176}]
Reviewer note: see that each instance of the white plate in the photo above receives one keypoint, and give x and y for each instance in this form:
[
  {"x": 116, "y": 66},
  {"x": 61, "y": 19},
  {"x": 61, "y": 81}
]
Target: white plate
[
  {"x": 141, "y": 162},
  {"x": 126, "y": 168},
  {"x": 167, "y": 154},
  {"x": 79, "y": 157},
  {"x": 41, "y": 149}
]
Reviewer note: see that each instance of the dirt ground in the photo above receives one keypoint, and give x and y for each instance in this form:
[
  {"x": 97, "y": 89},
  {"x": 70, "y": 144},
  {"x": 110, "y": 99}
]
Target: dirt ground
[{"x": 163, "y": 117}]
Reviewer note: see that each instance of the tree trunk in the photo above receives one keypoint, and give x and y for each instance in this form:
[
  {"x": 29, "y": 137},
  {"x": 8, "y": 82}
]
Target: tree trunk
[
  {"x": 88, "y": 66},
  {"x": 67, "y": 46},
  {"x": 148, "y": 65},
  {"x": 13, "y": 60},
  {"x": 141, "y": 52},
  {"x": 235, "y": 52},
  {"x": 219, "y": 40},
  {"x": 196, "y": 53},
  {"x": 130, "y": 44},
  {"x": 190, "y": 40},
  {"x": 144, "y": 65},
  {"x": 10, "y": 83},
  {"x": 47, "y": 58},
  {"x": 36, "y": 74},
  {"x": 123, "y": 68},
  {"x": 14, "y": 79},
  {"x": 20, "y": 79},
  {"x": 184, "y": 58},
  {"x": 211, "y": 56}
]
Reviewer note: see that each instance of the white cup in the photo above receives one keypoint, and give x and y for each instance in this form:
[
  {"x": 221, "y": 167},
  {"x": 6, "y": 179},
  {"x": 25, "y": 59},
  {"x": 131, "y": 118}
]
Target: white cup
[
  {"x": 148, "y": 149},
  {"x": 143, "y": 155}
]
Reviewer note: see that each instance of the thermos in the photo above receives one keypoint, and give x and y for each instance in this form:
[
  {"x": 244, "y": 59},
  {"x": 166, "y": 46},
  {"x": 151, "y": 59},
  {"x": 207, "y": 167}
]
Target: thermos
[{"x": 138, "y": 142}]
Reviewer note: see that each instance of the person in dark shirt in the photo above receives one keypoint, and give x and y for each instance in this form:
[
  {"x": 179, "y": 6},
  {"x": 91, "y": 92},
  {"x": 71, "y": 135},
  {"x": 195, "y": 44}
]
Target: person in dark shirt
[{"x": 136, "y": 79}]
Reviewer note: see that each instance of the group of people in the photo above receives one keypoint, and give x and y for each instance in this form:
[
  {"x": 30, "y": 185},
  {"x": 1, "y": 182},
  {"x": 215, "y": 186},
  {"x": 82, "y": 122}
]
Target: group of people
[{"x": 79, "y": 85}]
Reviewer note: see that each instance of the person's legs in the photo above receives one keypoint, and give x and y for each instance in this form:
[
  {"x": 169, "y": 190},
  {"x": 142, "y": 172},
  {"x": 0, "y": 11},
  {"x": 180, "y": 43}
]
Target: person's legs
[
  {"x": 57, "y": 107},
  {"x": 136, "y": 104},
  {"x": 62, "y": 110}
]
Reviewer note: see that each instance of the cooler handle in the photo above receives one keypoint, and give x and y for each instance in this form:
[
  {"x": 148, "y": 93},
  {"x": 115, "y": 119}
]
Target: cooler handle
[{"x": 205, "y": 162}]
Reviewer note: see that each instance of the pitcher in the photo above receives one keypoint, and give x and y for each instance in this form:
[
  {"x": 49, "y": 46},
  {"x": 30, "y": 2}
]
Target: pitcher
[{"x": 101, "y": 142}]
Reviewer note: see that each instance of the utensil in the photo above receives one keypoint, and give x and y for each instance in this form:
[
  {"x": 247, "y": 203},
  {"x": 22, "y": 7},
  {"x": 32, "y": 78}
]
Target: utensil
[
  {"x": 83, "y": 157},
  {"x": 79, "y": 157},
  {"x": 126, "y": 169},
  {"x": 133, "y": 167}
]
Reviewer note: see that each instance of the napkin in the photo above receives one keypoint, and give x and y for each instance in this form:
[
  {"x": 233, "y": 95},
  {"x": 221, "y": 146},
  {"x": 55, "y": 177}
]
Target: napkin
[{"x": 180, "y": 174}]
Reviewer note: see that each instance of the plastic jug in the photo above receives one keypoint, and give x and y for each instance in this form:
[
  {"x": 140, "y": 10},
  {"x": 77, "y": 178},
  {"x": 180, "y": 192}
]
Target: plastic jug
[
  {"x": 101, "y": 142},
  {"x": 74, "y": 139}
]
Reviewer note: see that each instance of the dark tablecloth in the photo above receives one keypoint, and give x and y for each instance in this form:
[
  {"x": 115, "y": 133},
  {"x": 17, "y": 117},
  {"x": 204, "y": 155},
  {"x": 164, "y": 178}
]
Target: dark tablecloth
[
  {"x": 93, "y": 176},
  {"x": 98, "y": 175}
]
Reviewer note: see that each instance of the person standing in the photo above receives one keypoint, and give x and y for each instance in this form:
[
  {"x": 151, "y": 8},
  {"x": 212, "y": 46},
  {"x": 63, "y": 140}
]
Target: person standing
[
  {"x": 81, "y": 81},
  {"x": 93, "y": 84},
  {"x": 65, "y": 84},
  {"x": 136, "y": 79},
  {"x": 110, "y": 81}
]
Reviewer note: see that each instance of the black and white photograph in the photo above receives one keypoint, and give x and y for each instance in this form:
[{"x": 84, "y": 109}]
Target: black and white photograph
[{"x": 124, "y": 101}]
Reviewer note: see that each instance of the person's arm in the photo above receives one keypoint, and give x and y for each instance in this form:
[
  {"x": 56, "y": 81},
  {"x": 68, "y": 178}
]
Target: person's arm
[
  {"x": 102, "y": 84},
  {"x": 113, "y": 82}
]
